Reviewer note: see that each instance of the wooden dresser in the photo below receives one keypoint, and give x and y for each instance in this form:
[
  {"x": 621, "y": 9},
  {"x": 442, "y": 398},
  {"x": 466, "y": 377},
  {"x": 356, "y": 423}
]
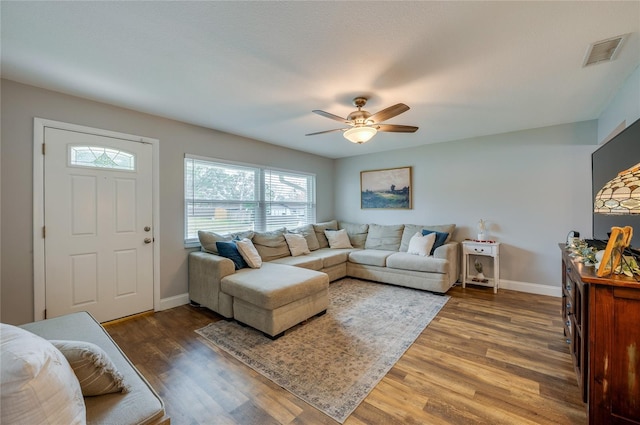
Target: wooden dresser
[{"x": 602, "y": 326}]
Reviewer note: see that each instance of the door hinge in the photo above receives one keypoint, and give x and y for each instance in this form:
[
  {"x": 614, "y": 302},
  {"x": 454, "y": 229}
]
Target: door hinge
[
  {"x": 44, "y": 232},
  {"x": 43, "y": 149},
  {"x": 45, "y": 313}
]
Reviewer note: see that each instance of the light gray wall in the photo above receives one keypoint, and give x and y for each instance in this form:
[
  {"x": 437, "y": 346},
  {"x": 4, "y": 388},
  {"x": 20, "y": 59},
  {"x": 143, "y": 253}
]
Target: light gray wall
[
  {"x": 625, "y": 106},
  {"x": 531, "y": 186},
  {"x": 21, "y": 103}
]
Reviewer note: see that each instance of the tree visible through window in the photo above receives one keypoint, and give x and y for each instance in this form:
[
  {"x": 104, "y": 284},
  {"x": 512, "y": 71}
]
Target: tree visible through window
[{"x": 222, "y": 197}]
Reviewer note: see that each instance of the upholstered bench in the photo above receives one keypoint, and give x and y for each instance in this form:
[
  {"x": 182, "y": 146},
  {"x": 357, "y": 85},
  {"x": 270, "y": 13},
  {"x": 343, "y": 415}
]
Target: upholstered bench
[
  {"x": 141, "y": 405},
  {"x": 276, "y": 297}
]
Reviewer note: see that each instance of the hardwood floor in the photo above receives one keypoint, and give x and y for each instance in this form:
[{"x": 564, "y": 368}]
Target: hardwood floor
[{"x": 485, "y": 359}]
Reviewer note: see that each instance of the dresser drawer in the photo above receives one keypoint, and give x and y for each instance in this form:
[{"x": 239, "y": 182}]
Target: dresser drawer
[{"x": 479, "y": 249}]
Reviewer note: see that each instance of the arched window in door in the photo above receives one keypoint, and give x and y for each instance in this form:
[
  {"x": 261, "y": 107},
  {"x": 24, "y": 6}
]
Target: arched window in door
[{"x": 101, "y": 157}]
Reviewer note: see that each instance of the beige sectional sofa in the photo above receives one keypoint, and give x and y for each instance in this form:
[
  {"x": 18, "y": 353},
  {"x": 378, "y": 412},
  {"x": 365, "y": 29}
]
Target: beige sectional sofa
[{"x": 288, "y": 289}]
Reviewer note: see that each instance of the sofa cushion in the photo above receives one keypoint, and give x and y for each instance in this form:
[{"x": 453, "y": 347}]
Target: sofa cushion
[
  {"x": 309, "y": 234},
  {"x": 405, "y": 261},
  {"x": 274, "y": 285},
  {"x": 331, "y": 257},
  {"x": 338, "y": 239},
  {"x": 440, "y": 239},
  {"x": 249, "y": 253},
  {"x": 357, "y": 233},
  {"x": 385, "y": 238},
  {"x": 320, "y": 228},
  {"x": 305, "y": 261},
  {"x": 297, "y": 244},
  {"x": 421, "y": 244},
  {"x": 92, "y": 366},
  {"x": 37, "y": 384},
  {"x": 411, "y": 229},
  {"x": 271, "y": 245},
  {"x": 230, "y": 250},
  {"x": 208, "y": 239},
  {"x": 370, "y": 257}
]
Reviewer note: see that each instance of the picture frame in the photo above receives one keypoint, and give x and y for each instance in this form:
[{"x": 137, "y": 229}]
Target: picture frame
[
  {"x": 388, "y": 188},
  {"x": 619, "y": 240}
]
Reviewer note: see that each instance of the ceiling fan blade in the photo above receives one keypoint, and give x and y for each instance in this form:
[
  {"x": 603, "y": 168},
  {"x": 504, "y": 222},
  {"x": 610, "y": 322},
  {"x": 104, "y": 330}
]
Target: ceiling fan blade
[
  {"x": 389, "y": 112},
  {"x": 393, "y": 128},
  {"x": 331, "y": 116},
  {"x": 326, "y": 131}
]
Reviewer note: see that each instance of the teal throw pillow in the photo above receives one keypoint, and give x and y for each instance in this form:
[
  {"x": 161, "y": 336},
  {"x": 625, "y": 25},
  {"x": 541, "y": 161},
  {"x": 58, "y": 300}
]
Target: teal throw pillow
[
  {"x": 230, "y": 250},
  {"x": 440, "y": 238}
]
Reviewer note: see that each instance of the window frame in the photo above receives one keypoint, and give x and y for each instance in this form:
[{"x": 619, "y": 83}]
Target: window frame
[{"x": 260, "y": 221}]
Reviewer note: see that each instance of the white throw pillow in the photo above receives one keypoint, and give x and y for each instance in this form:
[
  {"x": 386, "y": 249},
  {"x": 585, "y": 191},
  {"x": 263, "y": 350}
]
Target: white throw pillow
[
  {"x": 37, "y": 384},
  {"x": 297, "y": 244},
  {"x": 249, "y": 252},
  {"x": 93, "y": 367},
  {"x": 338, "y": 238},
  {"x": 421, "y": 245}
]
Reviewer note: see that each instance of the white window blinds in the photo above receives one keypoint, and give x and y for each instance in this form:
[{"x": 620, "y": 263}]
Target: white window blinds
[{"x": 225, "y": 197}]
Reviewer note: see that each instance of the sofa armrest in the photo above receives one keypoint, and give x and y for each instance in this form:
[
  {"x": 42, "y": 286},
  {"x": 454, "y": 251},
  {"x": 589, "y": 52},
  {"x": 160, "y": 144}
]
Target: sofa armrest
[
  {"x": 205, "y": 273},
  {"x": 450, "y": 252}
]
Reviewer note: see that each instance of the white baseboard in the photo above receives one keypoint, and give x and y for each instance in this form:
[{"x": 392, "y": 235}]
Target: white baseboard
[
  {"x": 175, "y": 301},
  {"x": 531, "y": 288}
]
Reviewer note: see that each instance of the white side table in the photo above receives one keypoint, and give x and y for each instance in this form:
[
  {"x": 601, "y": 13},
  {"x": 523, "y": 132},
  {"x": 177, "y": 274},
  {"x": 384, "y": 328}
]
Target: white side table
[{"x": 487, "y": 249}]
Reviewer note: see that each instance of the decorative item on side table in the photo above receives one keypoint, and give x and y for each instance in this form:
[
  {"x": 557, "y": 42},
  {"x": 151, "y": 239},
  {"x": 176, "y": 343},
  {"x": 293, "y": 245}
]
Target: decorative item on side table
[
  {"x": 480, "y": 276},
  {"x": 481, "y": 249},
  {"x": 482, "y": 228}
]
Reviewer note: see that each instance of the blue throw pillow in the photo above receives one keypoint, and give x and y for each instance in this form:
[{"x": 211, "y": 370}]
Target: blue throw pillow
[
  {"x": 440, "y": 238},
  {"x": 230, "y": 250}
]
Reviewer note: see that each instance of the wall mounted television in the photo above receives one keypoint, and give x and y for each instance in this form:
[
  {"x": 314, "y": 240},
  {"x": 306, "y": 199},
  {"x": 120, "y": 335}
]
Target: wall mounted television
[{"x": 618, "y": 154}]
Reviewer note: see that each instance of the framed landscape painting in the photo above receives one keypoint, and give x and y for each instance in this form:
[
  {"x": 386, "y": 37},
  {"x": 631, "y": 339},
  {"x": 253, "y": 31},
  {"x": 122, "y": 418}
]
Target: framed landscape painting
[{"x": 384, "y": 189}]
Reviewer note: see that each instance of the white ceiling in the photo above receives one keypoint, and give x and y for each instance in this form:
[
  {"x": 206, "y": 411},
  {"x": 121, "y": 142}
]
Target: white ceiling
[{"x": 257, "y": 69}]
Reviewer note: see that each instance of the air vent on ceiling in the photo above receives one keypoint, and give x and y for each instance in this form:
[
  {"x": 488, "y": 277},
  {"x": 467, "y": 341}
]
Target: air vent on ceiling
[{"x": 604, "y": 50}]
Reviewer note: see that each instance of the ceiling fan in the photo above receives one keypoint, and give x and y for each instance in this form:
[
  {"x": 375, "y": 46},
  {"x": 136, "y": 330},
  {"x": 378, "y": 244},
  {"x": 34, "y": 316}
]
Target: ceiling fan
[{"x": 364, "y": 125}]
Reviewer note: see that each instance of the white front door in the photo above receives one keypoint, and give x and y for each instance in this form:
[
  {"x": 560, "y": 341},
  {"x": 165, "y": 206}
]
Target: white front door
[{"x": 98, "y": 225}]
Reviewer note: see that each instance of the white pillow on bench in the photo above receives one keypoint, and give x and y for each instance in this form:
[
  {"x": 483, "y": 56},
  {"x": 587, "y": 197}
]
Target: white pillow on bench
[
  {"x": 92, "y": 366},
  {"x": 38, "y": 384}
]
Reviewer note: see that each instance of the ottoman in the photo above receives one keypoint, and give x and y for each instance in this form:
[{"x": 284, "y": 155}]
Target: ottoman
[{"x": 276, "y": 297}]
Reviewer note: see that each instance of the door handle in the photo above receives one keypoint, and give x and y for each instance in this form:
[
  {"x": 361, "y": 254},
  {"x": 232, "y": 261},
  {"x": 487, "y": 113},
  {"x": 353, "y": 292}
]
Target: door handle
[{"x": 147, "y": 240}]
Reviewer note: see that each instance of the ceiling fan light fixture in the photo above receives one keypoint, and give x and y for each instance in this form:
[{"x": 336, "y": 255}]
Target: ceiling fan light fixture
[
  {"x": 360, "y": 135},
  {"x": 363, "y": 125}
]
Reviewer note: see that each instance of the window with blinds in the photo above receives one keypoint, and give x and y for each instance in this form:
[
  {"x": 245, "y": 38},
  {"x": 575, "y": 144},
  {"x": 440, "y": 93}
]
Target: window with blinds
[{"x": 224, "y": 197}]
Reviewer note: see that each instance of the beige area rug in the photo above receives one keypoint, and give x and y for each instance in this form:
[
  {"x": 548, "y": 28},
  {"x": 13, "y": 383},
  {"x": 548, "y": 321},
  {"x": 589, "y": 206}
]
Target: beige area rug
[{"x": 332, "y": 362}]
